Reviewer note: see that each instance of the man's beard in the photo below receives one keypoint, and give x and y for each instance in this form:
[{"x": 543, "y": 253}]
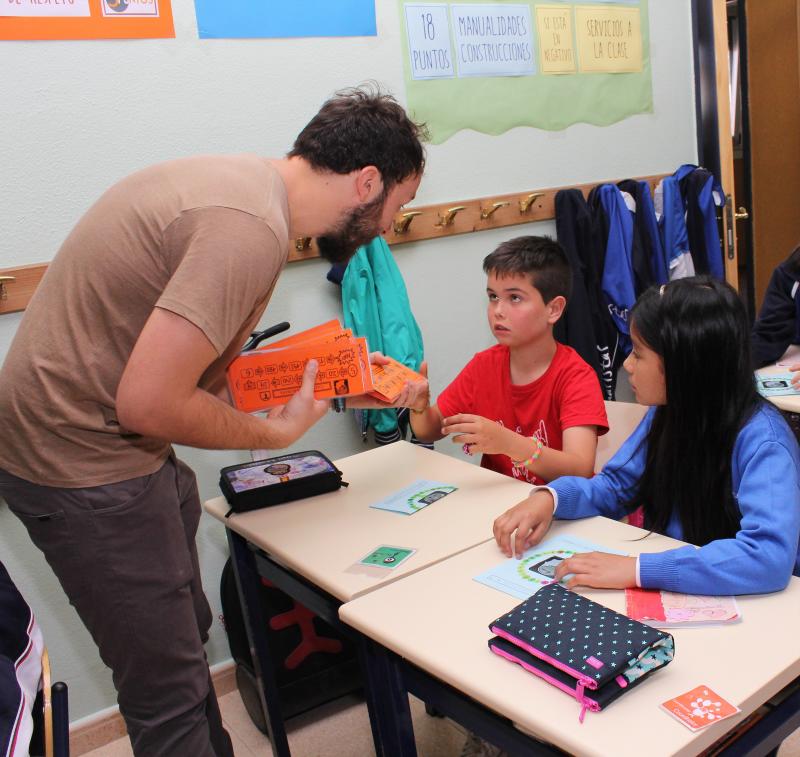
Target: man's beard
[{"x": 359, "y": 226}]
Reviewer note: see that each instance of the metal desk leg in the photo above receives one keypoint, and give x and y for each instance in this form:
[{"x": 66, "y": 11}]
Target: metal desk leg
[
  {"x": 60, "y": 704},
  {"x": 248, "y": 583},
  {"x": 387, "y": 701}
]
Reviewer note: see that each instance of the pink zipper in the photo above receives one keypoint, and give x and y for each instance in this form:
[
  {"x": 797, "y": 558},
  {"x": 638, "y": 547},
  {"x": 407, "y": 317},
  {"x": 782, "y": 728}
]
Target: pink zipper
[
  {"x": 583, "y": 679},
  {"x": 585, "y": 702}
]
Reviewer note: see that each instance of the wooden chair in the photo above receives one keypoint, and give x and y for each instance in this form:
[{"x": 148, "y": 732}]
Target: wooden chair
[
  {"x": 623, "y": 418},
  {"x": 55, "y": 712}
]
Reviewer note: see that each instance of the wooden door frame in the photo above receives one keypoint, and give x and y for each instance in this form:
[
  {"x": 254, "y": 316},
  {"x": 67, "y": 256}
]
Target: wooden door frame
[
  {"x": 712, "y": 109},
  {"x": 745, "y": 228}
]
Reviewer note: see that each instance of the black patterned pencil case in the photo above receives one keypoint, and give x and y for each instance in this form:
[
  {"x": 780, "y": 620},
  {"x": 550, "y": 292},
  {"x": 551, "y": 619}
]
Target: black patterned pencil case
[
  {"x": 579, "y": 646},
  {"x": 278, "y": 479}
]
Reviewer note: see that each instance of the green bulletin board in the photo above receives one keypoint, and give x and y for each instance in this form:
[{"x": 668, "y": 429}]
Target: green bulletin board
[{"x": 442, "y": 40}]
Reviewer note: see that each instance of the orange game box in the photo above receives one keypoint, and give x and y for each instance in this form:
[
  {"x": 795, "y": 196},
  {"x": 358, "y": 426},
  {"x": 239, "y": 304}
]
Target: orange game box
[{"x": 268, "y": 376}]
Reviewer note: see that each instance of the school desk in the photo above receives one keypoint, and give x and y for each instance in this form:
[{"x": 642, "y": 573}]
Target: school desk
[
  {"x": 428, "y": 636},
  {"x": 311, "y": 548}
]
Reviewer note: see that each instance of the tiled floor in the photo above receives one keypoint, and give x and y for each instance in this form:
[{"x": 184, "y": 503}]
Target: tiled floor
[{"x": 341, "y": 729}]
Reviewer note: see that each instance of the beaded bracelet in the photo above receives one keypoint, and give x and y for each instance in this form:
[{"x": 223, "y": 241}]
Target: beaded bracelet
[{"x": 523, "y": 464}]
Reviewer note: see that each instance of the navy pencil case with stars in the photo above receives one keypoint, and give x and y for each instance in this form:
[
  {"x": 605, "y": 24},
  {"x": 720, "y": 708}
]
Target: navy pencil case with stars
[{"x": 579, "y": 646}]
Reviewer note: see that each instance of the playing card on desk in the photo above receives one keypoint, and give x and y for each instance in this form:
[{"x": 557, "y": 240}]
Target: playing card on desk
[
  {"x": 699, "y": 708},
  {"x": 414, "y": 497},
  {"x": 525, "y": 576},
  {"x": 775, "y": 384},
  {"x": 386, "y": 556}
]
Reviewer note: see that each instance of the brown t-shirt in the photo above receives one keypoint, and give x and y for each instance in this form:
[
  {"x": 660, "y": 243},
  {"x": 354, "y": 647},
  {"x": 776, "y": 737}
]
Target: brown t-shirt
[{"x": 203, "y": 237}]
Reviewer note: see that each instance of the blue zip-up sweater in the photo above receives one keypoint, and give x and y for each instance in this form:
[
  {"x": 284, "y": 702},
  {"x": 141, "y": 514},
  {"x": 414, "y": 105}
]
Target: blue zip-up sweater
[
  {"x": 766, "y": 484},
  {"x": 618, "y": 278},
  {"x": 702, "y": 195},
  {"x": 671, "y": 211},
  {"x": 646, "y": 225}
]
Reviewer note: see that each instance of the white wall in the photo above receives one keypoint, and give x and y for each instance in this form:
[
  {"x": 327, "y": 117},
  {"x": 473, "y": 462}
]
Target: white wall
[{"x": 78, "y": 115}]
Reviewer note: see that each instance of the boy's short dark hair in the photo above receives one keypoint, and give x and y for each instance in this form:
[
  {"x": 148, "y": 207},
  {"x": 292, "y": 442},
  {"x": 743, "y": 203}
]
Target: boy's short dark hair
[
  {"x": 541, "y": 258},
  {"x": 361, "y": 127}
]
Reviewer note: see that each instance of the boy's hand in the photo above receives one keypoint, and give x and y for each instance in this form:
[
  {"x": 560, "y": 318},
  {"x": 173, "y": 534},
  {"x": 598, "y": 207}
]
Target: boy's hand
[
  {"x": 530, "y": 519},
  {"x": 414, "y": 394},
  {"x": 479, "y": 434},
  {"x": 598, "y": 570},
  {"x": 378, "y": 358},
  {"x": 795, "y": 369}
]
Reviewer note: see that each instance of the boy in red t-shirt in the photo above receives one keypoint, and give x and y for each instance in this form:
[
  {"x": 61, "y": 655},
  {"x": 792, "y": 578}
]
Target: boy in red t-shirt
[{"x": 532, "y": 406}]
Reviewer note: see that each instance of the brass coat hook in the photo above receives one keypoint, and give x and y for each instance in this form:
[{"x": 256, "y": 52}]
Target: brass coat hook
[
  {"x": 401, "y": 226},
  {"x": 489, "y": 212},
  {"x": 3, "y": 290},
  {"x": 447, "y": 218},
  {"x": 525, "y": 205},
  {"x": 302, "y": 243}
]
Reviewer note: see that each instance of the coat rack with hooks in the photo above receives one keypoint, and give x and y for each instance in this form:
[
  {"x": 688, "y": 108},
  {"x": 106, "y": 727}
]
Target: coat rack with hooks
[{"x": 417, "y": 224}]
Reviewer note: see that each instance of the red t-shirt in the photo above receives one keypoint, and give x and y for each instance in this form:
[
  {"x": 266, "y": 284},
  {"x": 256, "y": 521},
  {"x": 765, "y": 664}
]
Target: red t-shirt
[{"x": 566, "y": 395}]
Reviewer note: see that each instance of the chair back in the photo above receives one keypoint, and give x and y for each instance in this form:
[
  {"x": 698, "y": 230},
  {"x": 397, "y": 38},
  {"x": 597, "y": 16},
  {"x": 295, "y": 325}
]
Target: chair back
[
  {"x": 55, "y": 711},
  {"x": 623, "y": 418}
]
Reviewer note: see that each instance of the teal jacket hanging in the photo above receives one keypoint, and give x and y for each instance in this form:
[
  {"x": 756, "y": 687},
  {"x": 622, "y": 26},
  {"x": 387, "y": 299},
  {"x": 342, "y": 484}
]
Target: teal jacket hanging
[{"x": 375, "y": 305}]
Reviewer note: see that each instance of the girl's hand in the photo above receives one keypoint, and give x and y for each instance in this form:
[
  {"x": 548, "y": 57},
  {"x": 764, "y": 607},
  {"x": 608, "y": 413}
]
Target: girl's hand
[
  {"x": 478, "y": 433},
  {"x": 795, "y": 369},
  {"x": 530, "y": 519},
  {"x": 598, "y": 570}
]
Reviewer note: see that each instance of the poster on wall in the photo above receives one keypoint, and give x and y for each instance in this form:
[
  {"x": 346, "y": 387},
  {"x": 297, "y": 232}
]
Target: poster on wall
[
  {"x": 85, "y": 19},
  {"x": 239, "y": 19},
  {"x": 491, "y": 66}
]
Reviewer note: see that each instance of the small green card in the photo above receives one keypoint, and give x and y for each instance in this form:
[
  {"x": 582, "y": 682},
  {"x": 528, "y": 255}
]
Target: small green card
[{"x": 387, "y": 557}]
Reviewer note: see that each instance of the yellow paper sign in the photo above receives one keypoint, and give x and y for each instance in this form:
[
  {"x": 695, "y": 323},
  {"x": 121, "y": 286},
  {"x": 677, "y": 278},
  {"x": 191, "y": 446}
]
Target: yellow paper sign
[
  {"x": 609, "y": 39},
  {"x": 556, "y": 49}
]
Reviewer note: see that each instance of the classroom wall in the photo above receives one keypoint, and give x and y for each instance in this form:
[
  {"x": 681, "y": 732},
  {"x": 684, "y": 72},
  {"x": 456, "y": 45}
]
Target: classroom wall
[{"x": 80, "y": 115}]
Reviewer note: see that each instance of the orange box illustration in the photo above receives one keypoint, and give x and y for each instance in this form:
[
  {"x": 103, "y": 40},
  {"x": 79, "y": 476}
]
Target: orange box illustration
[{"x": 268, "y": 377}]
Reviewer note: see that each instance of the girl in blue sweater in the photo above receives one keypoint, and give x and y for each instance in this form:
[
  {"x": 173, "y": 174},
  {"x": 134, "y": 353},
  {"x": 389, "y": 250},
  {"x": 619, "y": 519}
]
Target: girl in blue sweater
[{"x": 711, "y": 463}]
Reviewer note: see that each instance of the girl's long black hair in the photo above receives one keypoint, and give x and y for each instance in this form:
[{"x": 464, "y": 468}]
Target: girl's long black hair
[{"x": 699, "y": 327}]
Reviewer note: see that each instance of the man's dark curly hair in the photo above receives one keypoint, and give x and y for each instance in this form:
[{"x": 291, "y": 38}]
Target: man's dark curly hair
[{"x": 361, "y": 127}]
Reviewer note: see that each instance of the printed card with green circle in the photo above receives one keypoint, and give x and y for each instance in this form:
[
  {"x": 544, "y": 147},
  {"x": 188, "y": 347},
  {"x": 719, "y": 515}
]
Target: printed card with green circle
[
  {"x": 523, "y": 577},
  {"x": 386, "y": 556},
  {"x": 415, "y": 496}
]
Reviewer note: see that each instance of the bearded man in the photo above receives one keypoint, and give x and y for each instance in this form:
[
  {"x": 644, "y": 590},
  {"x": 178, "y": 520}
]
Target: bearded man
[{"x": 122, "y": 352}]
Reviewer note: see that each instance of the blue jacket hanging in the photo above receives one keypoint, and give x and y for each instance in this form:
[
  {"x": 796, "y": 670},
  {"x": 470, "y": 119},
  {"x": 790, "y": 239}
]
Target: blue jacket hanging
[
  {"x": 702, "y": 195},
  {"x": 618, "y": 277},
  {"x": 671, "y": 214},
  {"x": 375, "y": 305},
  {"x": 586, "y": 326},
  {"x": 653, "y": 267}
]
